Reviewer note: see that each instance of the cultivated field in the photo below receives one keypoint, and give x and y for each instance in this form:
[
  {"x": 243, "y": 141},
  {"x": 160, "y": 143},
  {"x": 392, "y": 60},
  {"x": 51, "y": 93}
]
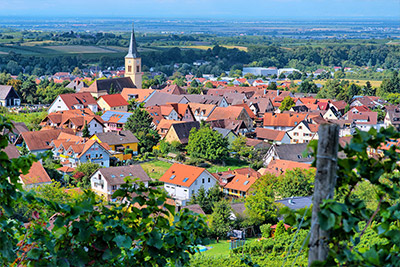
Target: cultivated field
[
  {"x": 356, "y": 81},
  {"x": 76, "y": 49}
]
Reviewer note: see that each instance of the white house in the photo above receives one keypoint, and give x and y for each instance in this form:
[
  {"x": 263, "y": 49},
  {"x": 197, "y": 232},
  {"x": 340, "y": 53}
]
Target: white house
[
  {"x": 73, "y": 101},
  {"x": 183, "y": 181},
  {"x": 105, "y": 181}
]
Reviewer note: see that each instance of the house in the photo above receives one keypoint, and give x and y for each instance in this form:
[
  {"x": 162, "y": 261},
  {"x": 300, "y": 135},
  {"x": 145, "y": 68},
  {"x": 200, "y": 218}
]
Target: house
[
  {"x": 292, "y": 152},
  {"x": 237, "y": 183},
  {"x": 280, "y": 166},
  {"x": 260, "y": 106},
  {"x": 370, "y": 102},
  {"x": 114, "y": 121},
  {"x": 180, "y": 132},
  {"x": 183, "y": 181},
  {"x": 232, "y": 113},
  {"x": 219, "y": 101},
  {"x": 257, "y": 144},
  {"x": 159, "y": 98},
  {"x": 119, "y": 142},
  {"x": 139, "y": 95},
  {"x": 339, "y": 106},
  {"x": 164, "y": 125},
  {"x": 303, "y": 132},
  {"x": 392, "y": 118},
  {"x": 94, "y": 123},
  {"x": 11, "y": 151},
  {"x": 77, "y": 84},
  {"x": 19, "y": 127},
  {"x": 85, "y": 151},
  {"x": 226, "y": 133},
  {"x": 173, "y": 89},
  {"x": 274, "y": 136},
  {"x": 36, "y": 176},
  {"x": 39, "y": 141},
  {"x": 113, "y": 102},
  {"x": 331, "y": 114},
  {"x": 105, "y": 181},
  {"x": 74, "y": 101},
  {"x": 201, "y": 112},
  {"x": 283, "y": 121},
  {"x": 237, "y": 126},
  {"x": 57, "y": 119},
  {"x": 108, "y": 86},
  {"x": 9, "y": 97},
  {"x": 365, "y": 120}
]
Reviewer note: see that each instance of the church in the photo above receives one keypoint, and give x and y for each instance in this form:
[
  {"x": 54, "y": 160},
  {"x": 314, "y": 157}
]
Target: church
[{"x": 132, "y": 79}]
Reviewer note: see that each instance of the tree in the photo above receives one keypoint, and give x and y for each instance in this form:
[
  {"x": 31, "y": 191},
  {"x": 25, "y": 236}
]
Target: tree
[
  {"x": 272, "y": 86},
  {"x": 207, "y": 144},
  {"x": 287, "y": 104},
  {"x": 85, "y": 130},
  {"x": 331, "y": 89},
  {"x": 220, "y": 223},
  {"x": 139, "y": 123},
  {"x": 296, "y": 182},
  {"x": 308, "y": 87},
  {"x": 195, "y": 90},
  {"x": 239, "y": 146},
  {"x": 339, "y": 75},
  {"x": 282, "y": 76},
  {"x": 83, "y": 172},
  {"x": 260, "y": 202},
  {"x": 209, "y": 85},
  {"x": 280, "y": 229},
  {"x": 194, "y": 83},
  {"x": 207, "y": 199},
  {"x": 76, "y": 71}
]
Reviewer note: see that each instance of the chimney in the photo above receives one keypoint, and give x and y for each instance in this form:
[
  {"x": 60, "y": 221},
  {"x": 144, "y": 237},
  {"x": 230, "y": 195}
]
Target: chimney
[{"x": 248, "y": 175}]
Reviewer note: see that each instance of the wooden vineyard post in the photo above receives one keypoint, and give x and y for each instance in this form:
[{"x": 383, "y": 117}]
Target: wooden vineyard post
[{"x": 324, "y": 187}]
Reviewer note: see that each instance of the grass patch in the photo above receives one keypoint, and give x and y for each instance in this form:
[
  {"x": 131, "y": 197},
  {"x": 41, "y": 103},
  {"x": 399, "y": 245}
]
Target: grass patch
[
  {"x": 222, "y": 248},
  {"x": 156, "y": 168},
  {"x": 230, "y": 163},
  {"x": 30, "y": 119}
]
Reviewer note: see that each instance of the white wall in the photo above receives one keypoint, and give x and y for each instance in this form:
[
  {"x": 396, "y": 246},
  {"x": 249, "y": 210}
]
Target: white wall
[
  {"x": 95, "y": 127},
  {"x": 58, "y": 105}
]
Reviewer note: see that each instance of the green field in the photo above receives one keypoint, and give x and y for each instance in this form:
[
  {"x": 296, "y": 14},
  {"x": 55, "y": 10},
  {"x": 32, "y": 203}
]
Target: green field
[
  {"x": 222, "y": 248},
  {"x": 156, "y": 168}
]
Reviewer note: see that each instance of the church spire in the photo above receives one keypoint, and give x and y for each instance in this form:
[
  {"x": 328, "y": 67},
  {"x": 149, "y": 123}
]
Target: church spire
[{"x": 133, "y": 52}]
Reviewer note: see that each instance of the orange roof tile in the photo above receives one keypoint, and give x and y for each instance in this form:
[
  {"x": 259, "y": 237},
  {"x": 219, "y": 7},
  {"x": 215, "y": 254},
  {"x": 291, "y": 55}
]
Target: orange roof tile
[
  {"x": 280, "y": 166},
  {"x": 178, "y": 173},
  {"x": 283, "y": 119},
  {"x": 37, "y": 175},
  {"x": 139, "y": 94}
]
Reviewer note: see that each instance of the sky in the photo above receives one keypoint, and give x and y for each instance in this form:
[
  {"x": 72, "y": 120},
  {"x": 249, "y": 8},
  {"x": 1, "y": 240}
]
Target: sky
[{"x": 213, "y": 9}]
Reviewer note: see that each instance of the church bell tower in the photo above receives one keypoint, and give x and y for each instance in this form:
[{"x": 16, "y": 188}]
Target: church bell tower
[{"x": 133, "y": 62}]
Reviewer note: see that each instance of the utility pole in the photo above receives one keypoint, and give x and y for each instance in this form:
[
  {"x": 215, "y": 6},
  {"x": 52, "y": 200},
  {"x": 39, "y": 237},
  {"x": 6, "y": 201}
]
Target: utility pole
[{"x": 324, "y": 187}]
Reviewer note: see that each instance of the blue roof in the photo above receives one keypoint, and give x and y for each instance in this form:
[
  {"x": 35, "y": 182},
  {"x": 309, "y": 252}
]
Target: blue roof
[{"x": 123, "y": 116}]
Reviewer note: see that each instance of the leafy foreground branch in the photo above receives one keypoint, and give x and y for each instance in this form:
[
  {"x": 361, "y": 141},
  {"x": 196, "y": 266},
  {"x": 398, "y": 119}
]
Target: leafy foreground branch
[{"x": 141, "y": 231}]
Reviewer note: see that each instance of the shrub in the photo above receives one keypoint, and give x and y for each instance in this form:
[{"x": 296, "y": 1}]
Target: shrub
[{"x": 266, "y": 230}]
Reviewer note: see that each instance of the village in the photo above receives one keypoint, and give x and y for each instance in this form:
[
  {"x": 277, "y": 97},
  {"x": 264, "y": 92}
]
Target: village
[{"x": 200, "y": 148}]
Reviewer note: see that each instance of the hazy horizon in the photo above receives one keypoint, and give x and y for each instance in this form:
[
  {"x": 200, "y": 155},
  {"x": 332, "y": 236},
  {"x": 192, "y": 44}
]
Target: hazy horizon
[{"x": 204, "y": 9}]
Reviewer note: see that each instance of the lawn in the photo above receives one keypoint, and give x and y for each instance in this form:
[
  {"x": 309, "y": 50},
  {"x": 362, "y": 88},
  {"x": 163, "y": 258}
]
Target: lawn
[
  {"x": 230, "y": 163},
  {"x": 156, "y": 168},
  {"x": 222, "y": 248}
]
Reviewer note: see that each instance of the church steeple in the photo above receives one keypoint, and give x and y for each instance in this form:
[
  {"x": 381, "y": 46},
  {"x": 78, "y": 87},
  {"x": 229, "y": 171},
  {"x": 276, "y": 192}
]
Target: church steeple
[
  {"x": 132, "y": 53},
  {"x": 133, "y": 62}
]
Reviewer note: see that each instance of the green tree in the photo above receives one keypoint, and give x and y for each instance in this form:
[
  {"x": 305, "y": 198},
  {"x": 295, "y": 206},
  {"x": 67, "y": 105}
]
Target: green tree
[
  {"x": 220, "y": 223},
  {"x": 207, "y": 144},
  {"x": 280, "y": 229},
  {"x": 140, "y": 125},
  {"x": 85, "y": 130},
  {"x": 272, "y": 86},
  {"x": 207, "y": 199},
  {"x": 331, "y": 89},
  {"x": 239, "y": 147},
  {"x": 390, "y": 85},
  {"x": 83, "y": 172},
  {"x": 287, "y": 104},
  {"x": 260, "y": 202},
  {"x": 339, "y": 75},
  {"x": 194, "y": 84},
  {"x": 209, "y": 85},
  {"x": 282, "y": 76},
  {"x": 308, "y": 87},
  {"x": 195, "y": 90},
  {"x": 296, "y": 182}
]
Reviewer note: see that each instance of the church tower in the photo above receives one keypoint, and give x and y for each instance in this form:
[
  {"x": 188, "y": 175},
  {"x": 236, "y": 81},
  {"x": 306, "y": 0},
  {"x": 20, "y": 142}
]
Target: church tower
[{"x": 133, "y": 62}]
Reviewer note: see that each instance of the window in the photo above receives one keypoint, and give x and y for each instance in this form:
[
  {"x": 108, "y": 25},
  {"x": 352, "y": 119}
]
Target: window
[
  {"x": 172, "y": 177},
  {"x": 114, "y": 187},
  {"x": 300, "y": 127},
  {"x": 192, "y": 192},
  {"x": 137, "y": 68},
  {"x": 185, "y": 180},
  {"x": 296, "y": 134},
  {"x": 129, "y": 68},
  {"x": 209, "y": 179},
  {"x": 95, "y": 125},
  {"x": 203, "y": 180}
]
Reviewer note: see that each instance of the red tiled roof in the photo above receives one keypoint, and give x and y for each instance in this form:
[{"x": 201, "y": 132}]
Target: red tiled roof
[
  {"x": 114, "y": 100},
  {"x": 269, "y": 134},
  {"x": 180, "y": 172},
  {"x": 231, "y": 112},
  {"x": 140, "y": 94},
  {"x": 37, "y": 175},
  {"x": 280, "y": 166},
  {"x": 283, "y": 119},
  {"x": 84, "y": 99}
]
